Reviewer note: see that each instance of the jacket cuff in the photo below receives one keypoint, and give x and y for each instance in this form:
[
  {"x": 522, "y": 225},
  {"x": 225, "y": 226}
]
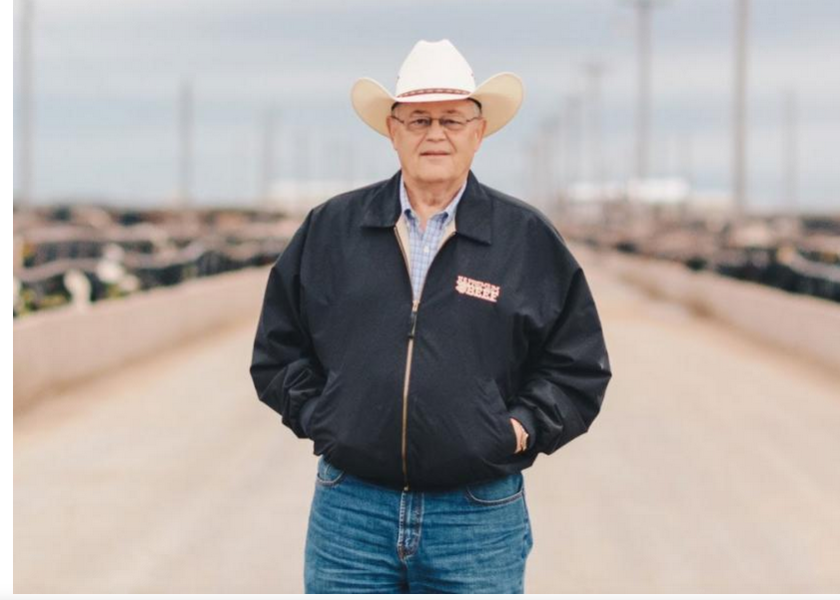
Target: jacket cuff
[{"x": 525, "y": 416}]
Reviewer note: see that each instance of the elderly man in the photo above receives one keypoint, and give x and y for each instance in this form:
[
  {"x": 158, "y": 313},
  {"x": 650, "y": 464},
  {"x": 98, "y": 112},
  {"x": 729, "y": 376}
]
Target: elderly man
[{"x": 432, "y": 336}]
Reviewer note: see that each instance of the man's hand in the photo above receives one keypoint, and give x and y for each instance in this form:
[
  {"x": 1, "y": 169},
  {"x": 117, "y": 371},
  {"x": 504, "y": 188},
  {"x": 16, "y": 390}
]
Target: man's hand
[{"x": 521, "y": 436}]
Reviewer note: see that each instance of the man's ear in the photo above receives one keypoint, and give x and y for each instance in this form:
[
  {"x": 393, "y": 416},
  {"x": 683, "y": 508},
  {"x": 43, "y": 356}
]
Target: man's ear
[
  {"x": 389, "y": 123},
  {"x": 480, "y": 133}
]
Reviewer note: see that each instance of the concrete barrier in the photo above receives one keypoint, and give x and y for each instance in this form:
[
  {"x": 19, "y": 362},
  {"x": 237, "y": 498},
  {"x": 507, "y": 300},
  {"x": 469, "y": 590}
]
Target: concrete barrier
[
  {"x": 57, "y": 347},
  {"x": 61, "y": 346},
  {"x": 803, "y": 324}
]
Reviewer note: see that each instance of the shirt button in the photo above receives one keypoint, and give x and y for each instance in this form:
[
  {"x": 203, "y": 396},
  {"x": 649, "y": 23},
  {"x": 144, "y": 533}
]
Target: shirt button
[{"x": 425, "y": 248}]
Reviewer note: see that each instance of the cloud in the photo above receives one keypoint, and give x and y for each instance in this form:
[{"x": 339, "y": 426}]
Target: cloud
[{"x": 107, "y": 77}]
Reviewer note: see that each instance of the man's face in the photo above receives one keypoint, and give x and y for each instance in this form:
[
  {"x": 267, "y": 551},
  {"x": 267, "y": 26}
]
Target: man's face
[{"x": 436, "y": 154}]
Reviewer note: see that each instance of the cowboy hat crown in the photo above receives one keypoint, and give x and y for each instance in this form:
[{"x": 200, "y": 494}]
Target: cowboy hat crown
[{"x": 436, "y": 72}]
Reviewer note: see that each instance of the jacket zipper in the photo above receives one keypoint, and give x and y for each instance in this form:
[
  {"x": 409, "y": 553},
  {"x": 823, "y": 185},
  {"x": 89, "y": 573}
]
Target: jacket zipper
[{"x": 415, "y": 304}]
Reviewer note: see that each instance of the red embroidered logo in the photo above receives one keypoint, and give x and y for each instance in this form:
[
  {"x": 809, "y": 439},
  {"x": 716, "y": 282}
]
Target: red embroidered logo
[{"x": 477, "y": 289}]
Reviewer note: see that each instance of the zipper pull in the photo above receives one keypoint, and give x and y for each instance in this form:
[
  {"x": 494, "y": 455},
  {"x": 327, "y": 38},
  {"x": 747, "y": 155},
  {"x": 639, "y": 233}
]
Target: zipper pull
[
  {"x": 413, "y": 323},
  {"x": 413, "y": 320}
]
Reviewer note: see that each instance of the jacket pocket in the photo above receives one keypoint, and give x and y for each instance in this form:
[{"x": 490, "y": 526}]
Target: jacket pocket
[
  {"x": 320, "y": 403},
  {"x": 460, "y": 434},
  {"x": 498, "y": 403}
]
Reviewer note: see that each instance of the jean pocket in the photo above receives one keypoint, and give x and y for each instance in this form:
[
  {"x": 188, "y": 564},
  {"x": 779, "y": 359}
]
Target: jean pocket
[
  {"x": 328, "y": 475},
  {"x": 496, "y": 492}
]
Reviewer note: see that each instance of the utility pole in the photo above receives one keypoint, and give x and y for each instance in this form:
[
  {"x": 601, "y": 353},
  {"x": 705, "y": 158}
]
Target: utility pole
[
  {"x": 185, "y": 126},
  {"x": 739, "y": 109},
  {"x": 548, "y": 141},
  {"x": 686, "y": 159},
  {"x": 267, "y": 174},
  {"x": 643, "y": 44},
  {"x": 791, "y": 161},
  {"x": 531, "y": 171},
  {"x": 349, "y": 166},
  {"x": 302, "y": 173},
  {"x": 24, "y": 133},
  {"x": 540, "y": 161},
  {"x": 560, "y": 138},
  {"x": 572, "y": 136},
  {"x": 549, "y": 164},
  {"x": 594, "y": 70}
]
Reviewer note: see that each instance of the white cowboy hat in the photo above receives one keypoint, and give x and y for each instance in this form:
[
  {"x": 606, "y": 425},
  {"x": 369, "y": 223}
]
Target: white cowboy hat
[{"x": 435, "y": 72}]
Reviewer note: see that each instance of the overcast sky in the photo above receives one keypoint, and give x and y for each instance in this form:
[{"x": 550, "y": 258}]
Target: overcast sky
[{"x": 106, "y": 79}]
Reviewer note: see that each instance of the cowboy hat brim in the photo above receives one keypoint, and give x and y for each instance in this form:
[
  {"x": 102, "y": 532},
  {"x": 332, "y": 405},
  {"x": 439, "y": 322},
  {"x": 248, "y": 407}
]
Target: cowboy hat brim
[{"x": 500, "y": 97}]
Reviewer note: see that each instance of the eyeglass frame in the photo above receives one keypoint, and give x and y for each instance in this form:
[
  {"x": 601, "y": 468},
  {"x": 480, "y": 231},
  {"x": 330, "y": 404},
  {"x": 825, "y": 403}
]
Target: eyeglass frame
[{"x": 439, "y": 120}]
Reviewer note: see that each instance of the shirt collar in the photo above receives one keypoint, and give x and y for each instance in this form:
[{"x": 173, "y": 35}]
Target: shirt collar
[
  {"x": 381, "y": 207},
  {"x": 449, "y": 211}
]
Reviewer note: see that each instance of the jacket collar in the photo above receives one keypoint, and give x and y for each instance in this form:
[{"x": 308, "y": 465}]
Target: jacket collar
[{"x": 473, "y": 218}]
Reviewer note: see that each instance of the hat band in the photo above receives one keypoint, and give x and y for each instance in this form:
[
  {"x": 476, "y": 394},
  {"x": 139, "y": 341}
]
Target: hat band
[{"x": 435, "y": 91}]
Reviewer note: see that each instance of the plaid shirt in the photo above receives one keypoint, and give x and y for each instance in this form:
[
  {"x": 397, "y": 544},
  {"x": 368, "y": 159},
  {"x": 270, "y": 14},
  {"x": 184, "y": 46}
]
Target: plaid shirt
[{"x": 424, "y": 243}]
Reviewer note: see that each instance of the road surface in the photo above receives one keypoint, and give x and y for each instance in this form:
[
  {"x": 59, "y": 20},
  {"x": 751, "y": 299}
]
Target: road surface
[{"x": 713, "y": 467}]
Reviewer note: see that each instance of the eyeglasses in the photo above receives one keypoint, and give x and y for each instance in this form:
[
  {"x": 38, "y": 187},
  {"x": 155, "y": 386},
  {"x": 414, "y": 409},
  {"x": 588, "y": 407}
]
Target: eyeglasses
[{"x": 418, "y": 124}]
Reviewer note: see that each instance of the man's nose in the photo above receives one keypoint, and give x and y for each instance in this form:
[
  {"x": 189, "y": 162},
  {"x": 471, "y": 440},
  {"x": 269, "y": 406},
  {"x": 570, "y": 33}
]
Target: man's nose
[{"x": 436, "y": 130}]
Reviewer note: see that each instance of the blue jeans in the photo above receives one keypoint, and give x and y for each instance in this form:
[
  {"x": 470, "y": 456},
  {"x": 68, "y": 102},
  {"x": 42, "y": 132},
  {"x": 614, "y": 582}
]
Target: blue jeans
[{"x": 366, "y": 538}]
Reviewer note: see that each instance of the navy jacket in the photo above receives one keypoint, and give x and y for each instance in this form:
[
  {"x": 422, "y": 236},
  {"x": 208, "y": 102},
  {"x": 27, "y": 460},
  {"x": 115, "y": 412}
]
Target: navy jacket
[{"x": 419, "y": 395}]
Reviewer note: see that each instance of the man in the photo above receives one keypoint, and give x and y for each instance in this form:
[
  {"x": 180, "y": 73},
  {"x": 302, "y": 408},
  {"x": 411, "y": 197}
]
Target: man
[{"x": 431, "y": 335}]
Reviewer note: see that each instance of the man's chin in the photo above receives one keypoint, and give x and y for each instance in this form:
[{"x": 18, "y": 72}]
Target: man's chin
[{"x": 433, "y": 175}]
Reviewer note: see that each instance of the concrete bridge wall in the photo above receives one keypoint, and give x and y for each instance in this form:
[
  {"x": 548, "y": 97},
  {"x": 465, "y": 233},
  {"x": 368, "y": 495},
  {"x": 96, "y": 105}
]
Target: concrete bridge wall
[
  {"x": 57, "y": 347},
  {"x": 802, "y": 324},
  {"x": 61, "y": 346}
]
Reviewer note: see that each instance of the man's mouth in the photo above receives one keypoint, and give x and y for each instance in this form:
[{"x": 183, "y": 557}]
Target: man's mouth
[{"x": 434, "y": 154}]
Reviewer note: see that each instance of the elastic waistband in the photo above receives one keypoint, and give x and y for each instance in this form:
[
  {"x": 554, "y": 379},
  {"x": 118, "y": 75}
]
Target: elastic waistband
[{"x": 427, "y": 490}]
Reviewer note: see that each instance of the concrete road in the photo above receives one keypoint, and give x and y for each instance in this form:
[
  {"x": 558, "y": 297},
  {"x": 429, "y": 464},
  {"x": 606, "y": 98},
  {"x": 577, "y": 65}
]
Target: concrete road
[{"x": 713, "y": 467}]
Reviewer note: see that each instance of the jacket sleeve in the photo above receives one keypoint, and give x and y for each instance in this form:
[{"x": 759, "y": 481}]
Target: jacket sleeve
[
  {"x": 566, "y": 375},
  {"x": 285, "y": 370}
]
